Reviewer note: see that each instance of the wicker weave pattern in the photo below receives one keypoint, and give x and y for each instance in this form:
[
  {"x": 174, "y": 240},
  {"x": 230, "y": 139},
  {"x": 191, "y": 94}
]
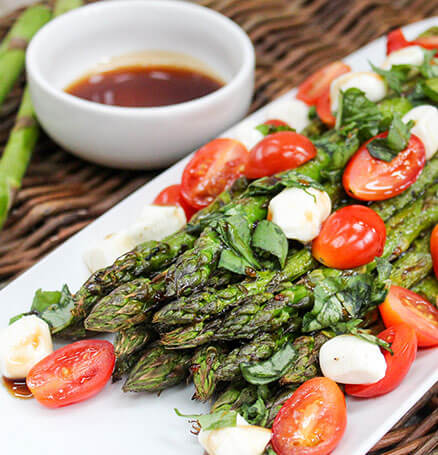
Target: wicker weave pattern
[{"x": 62, "y": 194}]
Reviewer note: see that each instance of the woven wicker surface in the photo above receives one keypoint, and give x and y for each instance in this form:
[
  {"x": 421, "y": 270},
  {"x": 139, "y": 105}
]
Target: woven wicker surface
[{"x": 61, "y": 194}]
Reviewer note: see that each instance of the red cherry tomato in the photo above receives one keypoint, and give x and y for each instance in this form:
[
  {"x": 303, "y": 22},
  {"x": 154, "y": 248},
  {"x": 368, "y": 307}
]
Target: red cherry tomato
[
  {"x": 279, "y": 152},
  {"x": 324, "y": 110},
  {"x": 396, "y": 40},
  {"x": 370, "y": 179},
  {"x": 275, "y": 122},
  {"x": 350, "y": 237},
  {"x": 319, "y": 82},
  {"x": 73, "y": 373},
  {"x": 172, "y": 196},
  {"x": 213, "y": 168},
  {"x": 434, "y": 249},
  {"x": 312, "y": 421},
  {"x": 404, "y": 306},
  {"x": 404, "y": 347}
]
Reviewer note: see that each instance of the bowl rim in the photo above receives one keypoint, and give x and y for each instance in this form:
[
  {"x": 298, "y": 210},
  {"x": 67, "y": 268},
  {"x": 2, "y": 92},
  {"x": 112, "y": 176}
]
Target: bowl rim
[{"x": 246, "y": 66}]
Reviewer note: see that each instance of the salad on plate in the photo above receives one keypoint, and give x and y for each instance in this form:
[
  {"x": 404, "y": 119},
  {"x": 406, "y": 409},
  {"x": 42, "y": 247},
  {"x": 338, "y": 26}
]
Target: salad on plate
[{"x": 293, "y": 264}]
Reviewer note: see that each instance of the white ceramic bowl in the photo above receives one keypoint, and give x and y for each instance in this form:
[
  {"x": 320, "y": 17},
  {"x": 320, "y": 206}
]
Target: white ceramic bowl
[{"x": 140, "y": 138}]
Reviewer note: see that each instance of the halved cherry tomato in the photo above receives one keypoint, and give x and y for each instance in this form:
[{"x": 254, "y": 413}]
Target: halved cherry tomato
[
  {"x": 350, "y": 237},
  {"x": 279, "y": 152},
  {"x": 404, "y": 347},
  {"x": 396, "y": 40},
  {"x": 404, "y": 306},
  {"x": 275, "y": 122},
  {"x": 172, "y": 196},
  {"x": 312, "y": 421},
  {"x": 369, "y": 179},
  {"x": 319, "y": 82},
  {"x": 73, "y": 373},
  {"x": 324, "y": 109},
  {"x": 213, "y": 168},
  {"x": 434, "y": 249}
]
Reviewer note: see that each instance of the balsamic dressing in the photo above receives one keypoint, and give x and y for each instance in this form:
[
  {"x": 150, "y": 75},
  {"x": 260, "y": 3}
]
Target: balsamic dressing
[
  {"x": 144, "y": 86},
  {"x": 17, "y": 388}
]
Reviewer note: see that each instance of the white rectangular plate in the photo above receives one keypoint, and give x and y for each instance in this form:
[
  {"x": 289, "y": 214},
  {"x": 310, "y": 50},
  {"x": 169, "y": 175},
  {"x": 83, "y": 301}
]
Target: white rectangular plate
[{"x": 118, "y": 423}]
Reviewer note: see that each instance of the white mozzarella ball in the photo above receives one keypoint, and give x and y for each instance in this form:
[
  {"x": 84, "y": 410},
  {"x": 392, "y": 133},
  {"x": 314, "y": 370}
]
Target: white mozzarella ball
[
  {"x": 370, "y": 83},
  {"x": 156, "y": 222},
  {"x": 348, "y": 359},
  {"x": 292, "y": 111},
  {"x": 247, "y": 134},
  {"x": 426, "y": 127},
  {"x": 105, "y": 252},
  {"x": 22, "y": 345},
  {"x": 300, "y": 213},
  {"x": 411, "y": 55},
  {"x": 243, "y": 439}
]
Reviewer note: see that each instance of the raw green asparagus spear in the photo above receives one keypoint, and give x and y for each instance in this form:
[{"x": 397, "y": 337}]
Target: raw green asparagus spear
[
  {"x": 63, "y": 6},
  {"x": 261, "y": 347},
  {"x": 306, "y": 365},
  {"x": 127, "y": 347},
  {"x": 262, "y": 312},
  {"x": 389, "y": 207},
  {"x": 208, "y": 303},
  {"x": 13, "y": 47},
  {"x": 17, "y": 153},
  {"x": 203, "y": 367},
  {"x": 235, "y": 396},
  {"x": 428, "y": 288},
  {"x": 125, "y": 306},
  {"x": 158, "y": 369},
  {"x": 414, "y": 265}
]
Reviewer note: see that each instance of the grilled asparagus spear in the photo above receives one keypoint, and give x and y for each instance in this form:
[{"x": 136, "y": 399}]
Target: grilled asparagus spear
[
  {"x": 158, "y": 369},
  {"x": 428, "y": 288},
  {"x": 203, "y": 368},
  {"x": 127, "y": 347}
]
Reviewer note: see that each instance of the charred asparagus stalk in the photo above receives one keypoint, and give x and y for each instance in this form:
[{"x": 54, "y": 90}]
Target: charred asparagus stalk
[
  {"x": 158, "y": 369},
  {"x": 234, "y": 397},
  {"x": 428, "y": 288},
  {"x": 203, "y": 368},
  {"x": 207, "y": 304},
  {"x": 127, "y": 347},
  {"x": 64, "y": 6}
]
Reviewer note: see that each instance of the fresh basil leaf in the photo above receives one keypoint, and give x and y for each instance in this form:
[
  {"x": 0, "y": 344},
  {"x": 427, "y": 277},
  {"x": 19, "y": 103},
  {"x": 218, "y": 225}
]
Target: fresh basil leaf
[
  {"x": 270, "y": 238},
  {"x": 271, "y": 369},
  {"x": 267, "y": 129},
  {"x": 394, "y": 77},
  {"x": 352, "y": 327},
  {"x": 340, "y": 299},
  {"x": 429, "y": 67},
  {"x": 214, "y": 420},
  {"x": 391, "y": 106},
  {"x": 388, "y": 148},
  {"x": 312, "y": 113},
  {"x": 237, "y": 255},
  {"x": 357, "y": 113},
  {"x": 289, "y": 179},
  {"x": 430, "y": 89},
  {"x": 44, "y": 299},
  {"x": 58, "y": 315}
]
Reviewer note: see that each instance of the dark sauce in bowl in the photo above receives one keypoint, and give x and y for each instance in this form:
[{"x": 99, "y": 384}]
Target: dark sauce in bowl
[
  {"x": 144, "y": 86},
  {"x": 17, "y": 388}
]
